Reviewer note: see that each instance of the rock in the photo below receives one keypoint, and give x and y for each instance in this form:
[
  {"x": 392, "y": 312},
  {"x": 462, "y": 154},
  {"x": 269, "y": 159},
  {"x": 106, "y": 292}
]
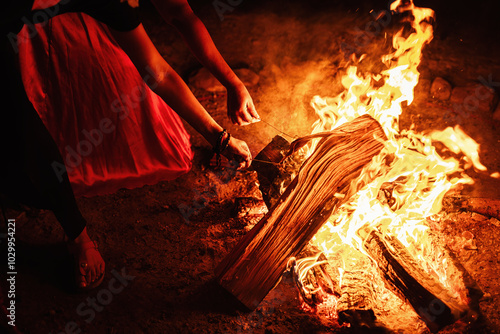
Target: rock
[
  {"x": 203, "y": 79},
  {"x": 473, "y": 98},
  {"x": 441, "y": 89},
  {"x": 496, "y": 114},
  {"x": 467, "y": 235}
]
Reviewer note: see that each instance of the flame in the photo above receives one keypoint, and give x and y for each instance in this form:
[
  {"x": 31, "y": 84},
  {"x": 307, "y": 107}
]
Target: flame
[{"x": 410, "y": 177}]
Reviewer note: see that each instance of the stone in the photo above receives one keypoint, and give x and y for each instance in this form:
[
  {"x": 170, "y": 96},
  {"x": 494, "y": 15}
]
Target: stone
[
  {"x": 203, "y": 79},
  {"x": 441, "y": 89},
  {"x": 473, "y": 98}
]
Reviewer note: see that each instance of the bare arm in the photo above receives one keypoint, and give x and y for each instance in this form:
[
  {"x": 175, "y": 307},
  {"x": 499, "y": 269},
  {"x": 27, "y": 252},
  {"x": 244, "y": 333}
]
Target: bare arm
[
  {"x": 179, "y": 14},
  {"x": 165, "y": 82}
]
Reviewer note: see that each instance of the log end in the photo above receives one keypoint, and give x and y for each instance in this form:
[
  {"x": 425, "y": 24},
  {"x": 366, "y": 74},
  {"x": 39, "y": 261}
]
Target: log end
[{"x": 235, "y": 300}]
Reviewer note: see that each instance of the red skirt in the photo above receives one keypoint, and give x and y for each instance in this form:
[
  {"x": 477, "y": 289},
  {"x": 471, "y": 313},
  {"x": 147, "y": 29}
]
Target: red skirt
[{"x": 112, "y": 131}]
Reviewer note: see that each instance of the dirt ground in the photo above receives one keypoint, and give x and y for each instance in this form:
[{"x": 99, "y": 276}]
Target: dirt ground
[{"x": 164, "y": 241}]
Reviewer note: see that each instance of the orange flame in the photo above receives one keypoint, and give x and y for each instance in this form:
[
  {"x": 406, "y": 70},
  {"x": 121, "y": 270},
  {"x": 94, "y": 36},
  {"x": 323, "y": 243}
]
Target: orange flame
[{"x": 409, "y": 177}]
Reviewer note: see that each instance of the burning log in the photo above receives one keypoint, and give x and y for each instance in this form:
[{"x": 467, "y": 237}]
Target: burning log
[
  {"x": 257, "y": 262},
  {"x": 353, "y": 290},
  {"x": 484, "y": 206},
  {"x": 355, "y": 305},
  {"x": 425, "y": 294},
  {"x": 313, "y": 270}
]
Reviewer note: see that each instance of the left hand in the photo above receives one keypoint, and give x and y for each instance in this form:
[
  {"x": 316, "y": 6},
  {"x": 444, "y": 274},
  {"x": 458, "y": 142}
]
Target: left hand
[
  {"x": 238, "y": 152},
  {"x": 240, "y": 107}
]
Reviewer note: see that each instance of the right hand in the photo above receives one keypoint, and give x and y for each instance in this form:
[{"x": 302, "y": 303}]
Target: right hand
[
  {"x": 238, "y": 151},
  {"x": 240, "y": 107}
]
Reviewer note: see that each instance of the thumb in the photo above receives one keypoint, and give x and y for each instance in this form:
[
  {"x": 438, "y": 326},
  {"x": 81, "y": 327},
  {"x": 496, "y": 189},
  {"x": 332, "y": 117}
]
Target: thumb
[{"x": 252, "y": 111}]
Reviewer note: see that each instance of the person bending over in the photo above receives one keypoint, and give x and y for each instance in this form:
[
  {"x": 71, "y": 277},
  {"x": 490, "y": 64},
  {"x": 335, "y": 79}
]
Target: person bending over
[{"x": 29, "y": 150}]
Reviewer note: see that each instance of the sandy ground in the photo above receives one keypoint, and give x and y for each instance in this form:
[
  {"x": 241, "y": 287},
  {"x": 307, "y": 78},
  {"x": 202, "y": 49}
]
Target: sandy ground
[{"x": 160, "y": 260}]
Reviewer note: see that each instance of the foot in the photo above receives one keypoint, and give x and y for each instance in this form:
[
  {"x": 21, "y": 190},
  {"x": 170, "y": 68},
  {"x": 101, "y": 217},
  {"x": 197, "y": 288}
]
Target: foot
[{"x": 89, "y": 265}]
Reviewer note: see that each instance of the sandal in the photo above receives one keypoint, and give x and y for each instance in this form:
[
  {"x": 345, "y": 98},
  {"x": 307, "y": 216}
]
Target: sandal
[{"x": 81, "y": 266}]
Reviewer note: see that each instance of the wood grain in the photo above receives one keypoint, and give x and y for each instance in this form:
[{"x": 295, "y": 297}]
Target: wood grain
[{"x": 257, "y": 262}]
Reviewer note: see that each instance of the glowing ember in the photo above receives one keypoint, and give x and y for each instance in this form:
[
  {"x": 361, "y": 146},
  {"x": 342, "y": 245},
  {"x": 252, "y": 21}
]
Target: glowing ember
[{"x": 410, "y": 177}]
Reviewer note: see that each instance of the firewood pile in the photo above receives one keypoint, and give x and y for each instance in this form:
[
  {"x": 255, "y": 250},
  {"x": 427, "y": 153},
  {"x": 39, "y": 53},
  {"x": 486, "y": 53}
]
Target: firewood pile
[{"x": 323, "y": 183}]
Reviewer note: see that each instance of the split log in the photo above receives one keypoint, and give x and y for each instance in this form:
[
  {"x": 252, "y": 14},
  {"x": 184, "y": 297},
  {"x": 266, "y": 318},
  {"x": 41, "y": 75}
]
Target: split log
[
  {"x": 257, "y": 262},
  {"x": 435, "y": 308}
]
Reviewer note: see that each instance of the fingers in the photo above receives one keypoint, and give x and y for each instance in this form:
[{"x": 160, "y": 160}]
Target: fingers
[
  {"x": 239, "y": 153},
  {"x": 246, "y": 156},
  {"x": 88, "y": 272},
  {"x": 250, "y": 115},
  {"x": 253, "y": 112},
  {"x": 245, "y": 162},
  {"x": 233, "y": 117},
  {"x": 243, "y": 117},
  {"x": 246, "y": 114}
]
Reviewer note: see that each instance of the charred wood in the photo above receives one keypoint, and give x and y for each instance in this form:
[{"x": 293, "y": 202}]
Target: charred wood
[
  {"x": 433, "y": 311},
  {"x": 485, "y": 206}
]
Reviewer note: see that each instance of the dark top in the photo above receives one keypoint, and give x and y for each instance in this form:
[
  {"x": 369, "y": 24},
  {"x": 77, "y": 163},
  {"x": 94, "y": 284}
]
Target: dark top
[{"x": 116, "y": 14}]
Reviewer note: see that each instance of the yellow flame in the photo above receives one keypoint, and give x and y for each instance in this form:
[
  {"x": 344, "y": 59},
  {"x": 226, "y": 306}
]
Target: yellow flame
[{"x": 410, "y": 177}]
